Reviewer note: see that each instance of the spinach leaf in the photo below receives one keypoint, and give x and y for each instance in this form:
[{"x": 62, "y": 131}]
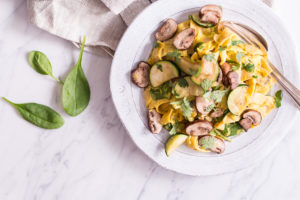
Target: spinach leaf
[
  {"x": 278, "y": 98},
  {"x": 250, "y": 67},
  {"x": 41, "y": 64},
  {"x": 76, "y": 90},
  {"x": 39, "y": 115}
]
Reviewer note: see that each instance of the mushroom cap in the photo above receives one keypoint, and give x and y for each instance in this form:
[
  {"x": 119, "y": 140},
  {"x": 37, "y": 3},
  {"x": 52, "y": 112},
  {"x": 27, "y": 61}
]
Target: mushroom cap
[
  {"x": 184, "y": 39},
  {"x": 212, "y": 8},
  {"x": 234, "y": 79},
  {"x": 245, "y": 123},
  {"x": 254, "y": 116},
  {"x": 154, "y": 121},
  {"x": 200, "y": 127},
  {"x": 202, "y": 104},
  {"x": 211, "y": 14},
  {"x": 140, "y": 75},
  {"x": 226, "y": 67},
  {"x": 218, "y": 145},
  {"x": 220, "y": 76},
  {"x": 167, "y": 30}
]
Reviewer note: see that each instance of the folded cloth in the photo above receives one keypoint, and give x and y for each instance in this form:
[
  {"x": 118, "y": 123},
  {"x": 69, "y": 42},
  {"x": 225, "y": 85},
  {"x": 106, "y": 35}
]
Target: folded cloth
[{"x": 103, "y": 22}]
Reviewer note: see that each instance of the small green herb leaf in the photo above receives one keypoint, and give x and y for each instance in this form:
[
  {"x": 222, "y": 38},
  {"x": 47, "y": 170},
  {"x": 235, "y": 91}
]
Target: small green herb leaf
[
  {"x": 39, "y": 115},
  {"x": 222, "y": 48},
  {"x": 207, "y": 142},
  {"x": 41, "y": 64},
  {"x": 278, "y": 98},
  {"x": 206, "y": 84},
  {"x": 254, "y": 76},
  {"x": 198, "y": 45},
  {"x": 236, "y": 42},
  {"x": 174, "y": 129},
  {"x": 209, "y": 57},
  {"x": 76, "y": 90},
  {"x": 156, "y": 44},
  {"x": 175, "y": 55},
  {"x": 210, "y": 108},
  {"x": 233, "y": 129},
  {"x": 159, "y": 67},
  {"x": 185, "y": 106},
  {"x": 217, "y": 95},
  {"x": 239, "y": 56},
  {"x": 183, "y": 83},
  {"x": 250, "y": 67}
]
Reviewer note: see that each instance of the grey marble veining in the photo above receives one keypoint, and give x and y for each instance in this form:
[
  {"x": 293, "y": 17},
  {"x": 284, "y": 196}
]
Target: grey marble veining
[{"x": 91, "y": 157}]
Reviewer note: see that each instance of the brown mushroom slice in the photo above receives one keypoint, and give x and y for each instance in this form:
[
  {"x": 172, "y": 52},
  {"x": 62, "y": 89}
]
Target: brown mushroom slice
[
  {"x": 233, "y": 79},
  {"x": 167, "y": 30},
  {"x": 184, "y": 39},
  {"x": 211, "y": 14},
  {"x": 153, "y": 121},
  {"x": 202, "y": 104},
  {"x": 226, "y": 68},
  {"x": 245, "y": 123},
  {"x": 211, "y": 8},
  {"x": 212, "y": 143},
  {"x": 254, "y": 116},
  {"x": 198, "y": 128},
  {"x": 140, "y": 75},
  {"x": 220, "y": 76},
  {"x": 210, "y": 17},
  {"x": 217, "y": 113}
]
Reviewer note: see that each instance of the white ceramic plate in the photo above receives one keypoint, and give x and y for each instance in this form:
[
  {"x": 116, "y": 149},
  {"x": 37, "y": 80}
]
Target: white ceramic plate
[{"x": 136, "y": 45}]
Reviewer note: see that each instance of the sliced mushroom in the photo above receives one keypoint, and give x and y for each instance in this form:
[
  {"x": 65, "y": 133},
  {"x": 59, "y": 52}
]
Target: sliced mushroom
[
  {"x": 218, "y": 145},
  {"x": 201, "y": 127},
  {"x": 226, "y": 68},
  {"x": 250, "y": 117},
  {"x": 233, "y": 79},
  {"x": 153, "y": 121},
  {"x": 245, "y": 123},
  {"x": 254, "y": 115},
  {"x": 167, "y": 30},
  {"x": 184, "y": 39},
  {"x": 202, "y": 104},
  {"x": 211, "y": 14},
  {"x": 220, "y": 76},
  {"x": 140, "y": 75},
  {"x": 217, "y": 113},
  {"x": 210, "y": 17}
]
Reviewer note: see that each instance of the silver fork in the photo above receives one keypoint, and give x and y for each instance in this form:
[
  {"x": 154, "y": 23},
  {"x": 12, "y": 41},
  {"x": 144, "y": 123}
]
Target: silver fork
[{"x": 251, "y": 36}]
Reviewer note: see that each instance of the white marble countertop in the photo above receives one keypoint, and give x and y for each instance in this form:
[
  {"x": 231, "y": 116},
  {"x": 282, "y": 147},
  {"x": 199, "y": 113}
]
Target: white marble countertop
[{"x": 91, "y": 157}]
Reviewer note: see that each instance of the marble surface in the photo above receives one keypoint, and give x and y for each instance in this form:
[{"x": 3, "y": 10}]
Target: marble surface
[{"x": 91, "y": 157}]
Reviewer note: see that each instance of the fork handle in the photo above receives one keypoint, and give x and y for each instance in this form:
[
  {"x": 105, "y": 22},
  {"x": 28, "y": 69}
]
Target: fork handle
[{"x": 286, "y": 84}]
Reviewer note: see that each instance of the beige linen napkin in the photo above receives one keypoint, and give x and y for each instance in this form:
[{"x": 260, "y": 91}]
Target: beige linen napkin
[{"x": 102, "y": 21}]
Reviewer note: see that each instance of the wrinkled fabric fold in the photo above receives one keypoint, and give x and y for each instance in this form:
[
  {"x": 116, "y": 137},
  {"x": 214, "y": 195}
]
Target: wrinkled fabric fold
[{"x": 102, "y": 21}]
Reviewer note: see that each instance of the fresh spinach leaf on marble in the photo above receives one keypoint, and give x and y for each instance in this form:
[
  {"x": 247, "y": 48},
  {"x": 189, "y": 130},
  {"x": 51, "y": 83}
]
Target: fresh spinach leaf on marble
[
  {"x": 41, "y": 64},
  {"x": 76, "y": 90},
  {"x": 39, "y": 115}
]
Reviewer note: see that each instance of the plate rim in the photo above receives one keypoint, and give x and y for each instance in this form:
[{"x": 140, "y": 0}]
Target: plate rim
[{"x": 157, "y": 160}]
